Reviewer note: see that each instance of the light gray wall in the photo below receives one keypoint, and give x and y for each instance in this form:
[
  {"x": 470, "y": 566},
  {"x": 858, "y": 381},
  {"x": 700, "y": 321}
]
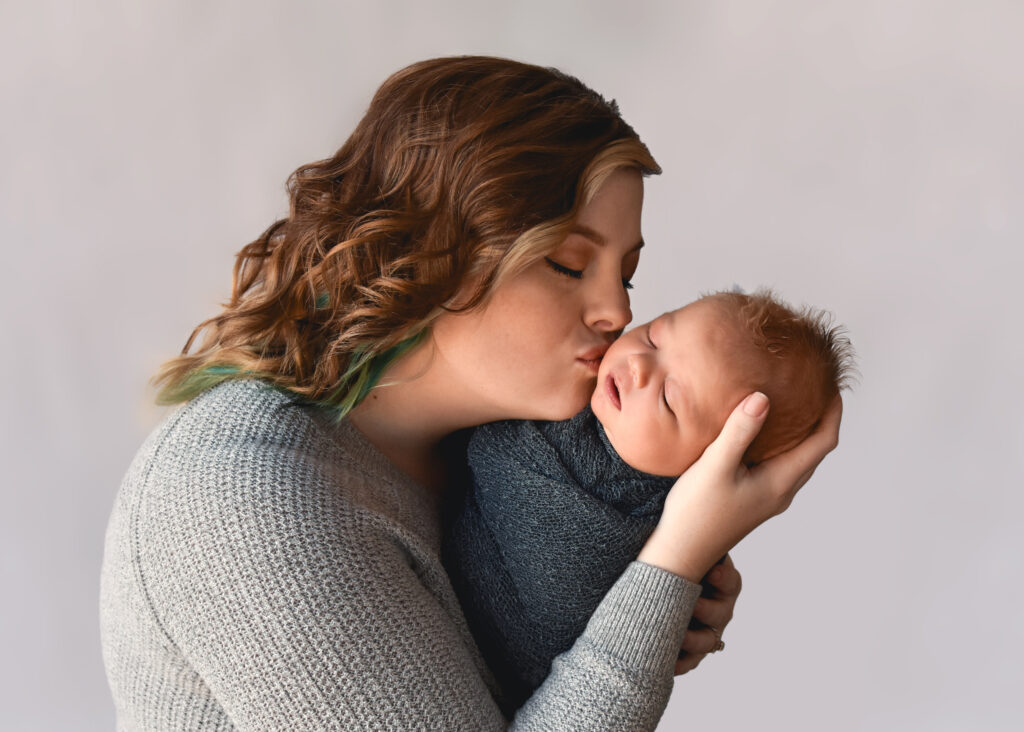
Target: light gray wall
[{"x": 866, "y": 157}]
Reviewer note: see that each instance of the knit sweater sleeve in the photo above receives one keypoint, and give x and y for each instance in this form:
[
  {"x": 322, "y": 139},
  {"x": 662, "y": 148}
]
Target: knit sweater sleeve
[
  {"x": 297, "y": 586},
  {"x": 618, "y": 674}
]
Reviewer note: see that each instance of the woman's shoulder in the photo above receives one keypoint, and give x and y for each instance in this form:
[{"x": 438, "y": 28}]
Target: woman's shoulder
[
  {"x": 238, "y": 412},
  {"x": 243, "y": 424},
  {"x": 248, "y": 452},
  {"x": 253, "y": 424}
]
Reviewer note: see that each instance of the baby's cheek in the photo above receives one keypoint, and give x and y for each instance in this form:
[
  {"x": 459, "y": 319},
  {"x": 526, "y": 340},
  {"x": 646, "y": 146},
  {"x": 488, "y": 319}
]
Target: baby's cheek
[
  {"x": 633, "y": 446},
  {"x": 681, "y": 448},
  {"x": 657, "y": 450}
]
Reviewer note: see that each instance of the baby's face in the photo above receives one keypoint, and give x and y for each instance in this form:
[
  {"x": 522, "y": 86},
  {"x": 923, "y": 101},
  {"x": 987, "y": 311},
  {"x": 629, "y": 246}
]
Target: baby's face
[{"x": 665, "y": 388}]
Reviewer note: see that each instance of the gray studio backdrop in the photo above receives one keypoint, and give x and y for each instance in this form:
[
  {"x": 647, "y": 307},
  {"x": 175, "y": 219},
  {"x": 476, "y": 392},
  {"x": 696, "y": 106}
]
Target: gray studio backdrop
[{"x": 866, "y": 157}]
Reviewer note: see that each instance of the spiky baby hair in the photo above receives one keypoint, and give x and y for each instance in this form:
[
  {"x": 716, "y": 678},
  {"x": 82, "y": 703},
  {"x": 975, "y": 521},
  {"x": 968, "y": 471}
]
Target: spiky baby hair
[{"x": 798, "y": 358}]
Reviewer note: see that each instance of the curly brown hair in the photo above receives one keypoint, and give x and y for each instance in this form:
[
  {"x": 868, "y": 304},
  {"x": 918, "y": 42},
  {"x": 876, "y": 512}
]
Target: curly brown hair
[{"x": 462, "y": 172}]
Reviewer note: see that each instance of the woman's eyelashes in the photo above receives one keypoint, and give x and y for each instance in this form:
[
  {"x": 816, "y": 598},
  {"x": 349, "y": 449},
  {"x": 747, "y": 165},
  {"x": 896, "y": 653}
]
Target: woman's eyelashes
[{"x": 577, "y": 274}]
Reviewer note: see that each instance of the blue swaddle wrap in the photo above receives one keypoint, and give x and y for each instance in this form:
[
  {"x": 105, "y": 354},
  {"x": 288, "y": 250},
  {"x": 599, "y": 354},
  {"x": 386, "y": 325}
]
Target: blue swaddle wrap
[{"x": 551, "y": 520}]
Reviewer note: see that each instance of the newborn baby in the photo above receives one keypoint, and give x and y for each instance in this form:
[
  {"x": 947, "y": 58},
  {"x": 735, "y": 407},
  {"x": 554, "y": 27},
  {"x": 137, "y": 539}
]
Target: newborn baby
[{"x": 557, "y": 510}]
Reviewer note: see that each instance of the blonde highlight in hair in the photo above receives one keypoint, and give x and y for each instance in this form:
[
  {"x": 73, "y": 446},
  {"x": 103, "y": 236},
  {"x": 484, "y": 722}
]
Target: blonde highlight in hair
[
  {"x": 463, "y": 170},
  {"x": 545, "y": 237}
]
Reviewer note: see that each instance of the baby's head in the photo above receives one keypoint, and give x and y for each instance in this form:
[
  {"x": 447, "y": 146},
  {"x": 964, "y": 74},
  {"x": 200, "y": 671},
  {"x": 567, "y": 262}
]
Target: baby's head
[{"x": 665, "y": 389}]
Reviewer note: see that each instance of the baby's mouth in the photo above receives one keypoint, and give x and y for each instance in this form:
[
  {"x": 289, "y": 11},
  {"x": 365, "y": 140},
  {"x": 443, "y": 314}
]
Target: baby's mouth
[{"x": 612, "y": 390}]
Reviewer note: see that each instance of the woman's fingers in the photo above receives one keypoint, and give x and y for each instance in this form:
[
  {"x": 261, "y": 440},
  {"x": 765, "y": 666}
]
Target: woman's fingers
[
  {"x": 688, "y": 662},
  {"x": 714, "y": 612},
  {"x": 718, "y": 501},
  {"x": 697, "y": 644},
  {"x": 740, "y": 430},
  {"x": 716, "y": 608},
  {"x": 700, "y": 641},
  {"x": 725, "y": 578}
]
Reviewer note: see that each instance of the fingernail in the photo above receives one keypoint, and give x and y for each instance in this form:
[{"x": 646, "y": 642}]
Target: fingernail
[{"x": 756, "y": 404}]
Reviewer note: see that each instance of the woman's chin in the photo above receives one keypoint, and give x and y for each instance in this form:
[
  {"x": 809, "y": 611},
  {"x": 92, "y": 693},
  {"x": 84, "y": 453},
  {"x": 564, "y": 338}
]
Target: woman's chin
[{"x": 564, "y": 407}]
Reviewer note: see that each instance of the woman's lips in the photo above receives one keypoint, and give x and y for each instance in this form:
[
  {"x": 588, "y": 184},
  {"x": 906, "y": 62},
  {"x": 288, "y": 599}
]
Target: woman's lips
[
  {"x": 612, "y": 390},
  {"x": 592, "y": 358}
]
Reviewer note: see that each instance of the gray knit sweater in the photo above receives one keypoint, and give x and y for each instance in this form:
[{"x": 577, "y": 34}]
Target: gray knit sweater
[{"x": 267, "y": 568}]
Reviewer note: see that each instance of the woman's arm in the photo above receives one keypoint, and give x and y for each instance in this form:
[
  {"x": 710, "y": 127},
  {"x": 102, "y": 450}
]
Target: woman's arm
[
  {"x": 712, "y": 613},
  {"x": 618, "y": 674}
]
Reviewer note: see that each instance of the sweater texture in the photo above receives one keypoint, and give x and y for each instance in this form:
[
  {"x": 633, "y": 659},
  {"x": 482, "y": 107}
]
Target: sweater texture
[
  {"x": 266, "y": 568},
  {"x": 553, "y": 518}
]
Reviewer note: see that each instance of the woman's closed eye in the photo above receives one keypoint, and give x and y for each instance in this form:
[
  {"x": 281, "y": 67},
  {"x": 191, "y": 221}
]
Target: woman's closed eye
[{"x": 577, "y": 274}]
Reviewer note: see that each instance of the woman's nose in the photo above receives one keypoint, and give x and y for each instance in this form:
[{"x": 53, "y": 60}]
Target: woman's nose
[
  {"x": 608, "y": 307},
  {"x": 639, "y": 370}
]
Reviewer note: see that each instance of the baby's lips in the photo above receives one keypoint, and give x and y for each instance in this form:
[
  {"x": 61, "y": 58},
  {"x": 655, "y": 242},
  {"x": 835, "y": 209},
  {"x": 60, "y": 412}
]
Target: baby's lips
[{"x": 611, "y": 388}]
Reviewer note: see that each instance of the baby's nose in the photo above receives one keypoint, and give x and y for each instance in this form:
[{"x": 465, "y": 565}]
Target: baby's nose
[{"x": 638, "y": 370}]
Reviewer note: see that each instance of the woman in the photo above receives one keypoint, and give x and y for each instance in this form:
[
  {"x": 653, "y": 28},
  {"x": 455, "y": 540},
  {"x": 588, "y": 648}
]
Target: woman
[{"x": 272, "y": 559}]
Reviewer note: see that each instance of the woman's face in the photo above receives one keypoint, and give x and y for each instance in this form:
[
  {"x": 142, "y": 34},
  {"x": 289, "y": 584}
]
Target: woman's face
[{"x": 533, "y": 351}]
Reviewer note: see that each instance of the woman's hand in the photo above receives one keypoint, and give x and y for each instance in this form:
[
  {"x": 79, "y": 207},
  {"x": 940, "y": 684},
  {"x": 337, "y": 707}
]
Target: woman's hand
[
  {"x": 713, "y": 612},
  {"x": 718, "y": 501}
]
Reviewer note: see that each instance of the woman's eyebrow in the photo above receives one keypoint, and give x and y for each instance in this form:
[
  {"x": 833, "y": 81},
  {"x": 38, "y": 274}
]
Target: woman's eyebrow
[{"x": 597, "y": 237}]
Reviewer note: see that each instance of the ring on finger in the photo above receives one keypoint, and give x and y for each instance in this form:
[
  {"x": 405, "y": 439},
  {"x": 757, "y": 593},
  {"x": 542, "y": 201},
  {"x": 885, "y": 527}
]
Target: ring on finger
[{"x": 719, "y": 643}]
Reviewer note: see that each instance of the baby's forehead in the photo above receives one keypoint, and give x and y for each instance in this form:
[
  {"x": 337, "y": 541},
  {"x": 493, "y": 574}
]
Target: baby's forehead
[
  {"x": 703, "y": 312},
  {"x": 703, "y": 324}
]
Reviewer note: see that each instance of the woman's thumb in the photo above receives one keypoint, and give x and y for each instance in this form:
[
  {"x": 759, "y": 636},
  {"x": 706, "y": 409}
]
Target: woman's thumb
[{"x": 741, "y": 428}]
